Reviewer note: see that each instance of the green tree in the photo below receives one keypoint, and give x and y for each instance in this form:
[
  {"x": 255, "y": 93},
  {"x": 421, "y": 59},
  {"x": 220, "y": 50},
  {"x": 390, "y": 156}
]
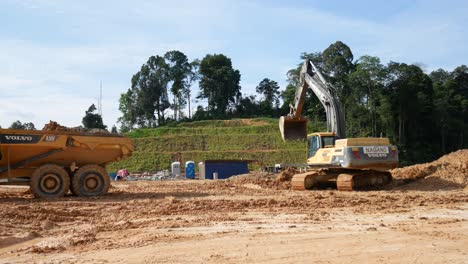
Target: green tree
[
  {"x": 151, "y": 86},
  {"x": 338, "y": 64},
  {"x": 180, "y": 74},
  {"x": 219, "y": 83},
  {"x": 451, "y": 105},
  {"x": 22, "y": 126},
  {"x": 114, "y": 129},
  {"x": 128, "y": 107},
  {"x": 442, "y": 105},
  {"x": 410, "y": 95},
  {"x": 93, "y": 119},
  {"x": 200, "y": 114},
  {"x": 366, "y": 82},
  {"x": 194, "y": 76},
  {"x": 460, "y": 77},
  {"x": 248, "y": 107},
  {"x": 288, "y": 97},
  {"x": 270, "y": 91},
  {"x": 145, "y": 102}
]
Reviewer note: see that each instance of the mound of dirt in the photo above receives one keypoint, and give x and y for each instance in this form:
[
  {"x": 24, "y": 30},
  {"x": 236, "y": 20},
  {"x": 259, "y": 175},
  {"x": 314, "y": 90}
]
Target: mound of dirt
[
  {"x": 258, "y": 179},
  {"x": 286, "y": 175},
  {"x": 264, "y": 180},
  {"x": 448, "y": 172}
]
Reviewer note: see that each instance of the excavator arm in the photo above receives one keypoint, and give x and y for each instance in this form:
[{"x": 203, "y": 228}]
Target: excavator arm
[{"x": 293, "y": 126}]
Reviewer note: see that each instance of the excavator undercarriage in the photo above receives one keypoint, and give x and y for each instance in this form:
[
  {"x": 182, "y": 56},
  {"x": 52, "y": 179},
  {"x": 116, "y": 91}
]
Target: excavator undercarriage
[{"x": 341, "y": 179}]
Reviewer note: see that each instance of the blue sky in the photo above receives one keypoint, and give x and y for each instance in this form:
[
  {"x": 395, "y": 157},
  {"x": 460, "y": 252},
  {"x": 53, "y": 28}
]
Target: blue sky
[{"x": 54, "y": 53}]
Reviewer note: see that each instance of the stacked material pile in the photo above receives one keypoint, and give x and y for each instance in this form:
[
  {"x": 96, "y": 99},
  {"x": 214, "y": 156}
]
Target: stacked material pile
[{"x": 158, "y": 176}]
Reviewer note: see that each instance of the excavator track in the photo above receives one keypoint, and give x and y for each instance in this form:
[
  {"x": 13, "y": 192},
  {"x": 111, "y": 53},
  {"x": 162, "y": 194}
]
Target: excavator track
[
  {"x": 363, "y": 180},
  {"x": 303, "y": 181},
  {"x": 346, "y": 180}
]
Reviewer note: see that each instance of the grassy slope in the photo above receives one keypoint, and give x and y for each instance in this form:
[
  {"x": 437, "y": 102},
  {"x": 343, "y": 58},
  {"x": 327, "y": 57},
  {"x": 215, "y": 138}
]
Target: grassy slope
[{"x": 252, "y": 139}]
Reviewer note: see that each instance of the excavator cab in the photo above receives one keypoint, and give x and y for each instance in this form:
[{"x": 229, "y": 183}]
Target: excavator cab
[{"x": 317, "y": 141}]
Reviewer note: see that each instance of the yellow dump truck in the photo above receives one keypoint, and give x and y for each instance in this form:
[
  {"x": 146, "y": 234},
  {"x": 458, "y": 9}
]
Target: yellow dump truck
[{"x": 53, "y": 162}]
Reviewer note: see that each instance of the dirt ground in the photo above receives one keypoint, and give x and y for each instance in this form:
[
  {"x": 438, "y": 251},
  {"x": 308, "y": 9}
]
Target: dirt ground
[{"x": 247, "y": 219}]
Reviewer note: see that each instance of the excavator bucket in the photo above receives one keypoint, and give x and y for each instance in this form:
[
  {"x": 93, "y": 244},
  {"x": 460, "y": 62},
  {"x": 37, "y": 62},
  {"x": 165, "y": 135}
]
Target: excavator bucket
[{"x": 293, "y": 128}]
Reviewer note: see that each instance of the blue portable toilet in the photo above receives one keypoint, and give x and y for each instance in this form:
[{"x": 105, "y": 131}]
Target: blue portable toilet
[
  {"x": 112, "y": 175},
  {"x": 190, "y": 170}
]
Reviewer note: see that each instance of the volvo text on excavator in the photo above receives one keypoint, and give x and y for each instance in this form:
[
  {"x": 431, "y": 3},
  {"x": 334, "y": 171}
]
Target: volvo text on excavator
[{"x": 333, "y": 159}]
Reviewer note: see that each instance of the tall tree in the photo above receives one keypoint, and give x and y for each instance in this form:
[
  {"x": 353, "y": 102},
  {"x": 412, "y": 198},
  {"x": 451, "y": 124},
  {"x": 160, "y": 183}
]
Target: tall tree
[
  {"x": 128, "y": 107},
  {"x": 145, "y": 102},
  {"x": 194, "y": 76},
  {"x": 410, "y": 93},
  {"x": 24, "y": 126},
  {"x": 451, "y": 107},
  {"x": 338, "y": 64},
  {"x": 460, "y": 77},
  {"x": 248, "y": 107},
  {"x": 366, "y": 82},
  {"x": 92, "y": 119},
  {"x": 442, "y": 105},
  {"x": 219, "y": 83},
  {"x": 151, "y": 85},
  {"x": 270, "y": 91},
  {"x": 180, "y": 75}
]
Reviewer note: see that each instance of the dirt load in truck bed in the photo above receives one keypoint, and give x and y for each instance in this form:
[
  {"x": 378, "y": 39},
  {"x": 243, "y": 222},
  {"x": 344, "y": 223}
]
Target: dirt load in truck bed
[{"x": 54, "y": 126}]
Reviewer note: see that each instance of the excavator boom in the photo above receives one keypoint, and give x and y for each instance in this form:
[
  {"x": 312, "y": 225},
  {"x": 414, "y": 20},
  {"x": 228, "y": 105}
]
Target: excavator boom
[{"x": 294, "y": 126}]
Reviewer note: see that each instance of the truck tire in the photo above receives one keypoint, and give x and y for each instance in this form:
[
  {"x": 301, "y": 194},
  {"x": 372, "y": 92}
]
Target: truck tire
[
  {"x": 90, "y": 180},
  {"x": 49, "y": 181}
]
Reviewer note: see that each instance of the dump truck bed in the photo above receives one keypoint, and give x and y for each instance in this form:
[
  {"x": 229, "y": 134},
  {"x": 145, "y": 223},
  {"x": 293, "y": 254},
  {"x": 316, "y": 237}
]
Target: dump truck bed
[{"x": 21, "y": 151}]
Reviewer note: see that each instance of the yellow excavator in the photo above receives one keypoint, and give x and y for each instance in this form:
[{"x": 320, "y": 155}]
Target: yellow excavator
[{"x": 333, "y": 159}]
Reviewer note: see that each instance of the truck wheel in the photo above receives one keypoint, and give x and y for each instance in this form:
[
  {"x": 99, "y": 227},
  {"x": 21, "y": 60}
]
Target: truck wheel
[
  {"x": 49, "y": 181},
  {"x": 90, "y": 180}
]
